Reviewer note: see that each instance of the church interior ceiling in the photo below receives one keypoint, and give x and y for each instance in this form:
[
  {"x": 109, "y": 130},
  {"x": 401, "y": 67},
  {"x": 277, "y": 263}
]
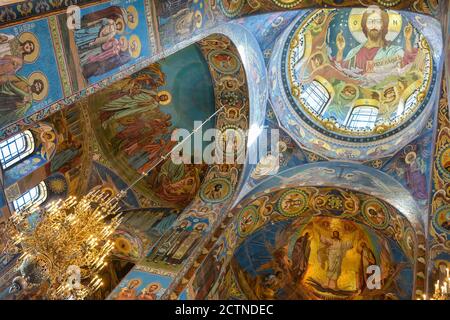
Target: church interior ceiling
[{"x": 361, "y": 160}]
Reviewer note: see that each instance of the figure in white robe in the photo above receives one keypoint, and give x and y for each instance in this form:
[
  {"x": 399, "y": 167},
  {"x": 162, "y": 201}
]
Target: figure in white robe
[{"x": 333, "y": 254}]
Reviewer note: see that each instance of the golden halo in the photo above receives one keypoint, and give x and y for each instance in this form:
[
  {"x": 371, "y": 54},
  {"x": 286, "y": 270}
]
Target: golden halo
[
  {"x": 122, "y": 245},
  {"x": 355, "y": 19},
  {"x": 30, "y": 58},
  {"x": 135, "y": 280},
  {"x": 131, "y": 11},
  {"x": 39, "y": 76},
  {"x": 108, "y": 190},
  {"x": 157, "y": 284},
  {"x": 232, "y": 109},
  {"x": 125, "y": 45},
  {"x": 282, "y": 147},
  {"x": 410, "y": 157},
  {"x": 120, "y": 25},
  {"x": 198, "y": 18},
  {"x": 51, "y": 135},
  {"x": 168, "y": 98},
  {"x": 134, "y": 46}
]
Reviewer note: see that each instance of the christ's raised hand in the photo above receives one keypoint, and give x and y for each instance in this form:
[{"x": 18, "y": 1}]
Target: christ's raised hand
[{"x": 340, "y": 43}]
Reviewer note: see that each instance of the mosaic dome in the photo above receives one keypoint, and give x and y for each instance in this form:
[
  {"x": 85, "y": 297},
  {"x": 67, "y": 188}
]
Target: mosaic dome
[
  {"x": 355, "y": 77},
  {"x": 340, "y": 77}
]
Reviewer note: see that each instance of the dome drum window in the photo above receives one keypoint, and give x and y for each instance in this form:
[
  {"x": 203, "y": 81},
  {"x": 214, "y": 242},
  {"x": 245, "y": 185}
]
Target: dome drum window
[
  {"x": 33, "y": 197},
  {"x": 332, "y": 63},
  {"x": 16, "y": 148}
]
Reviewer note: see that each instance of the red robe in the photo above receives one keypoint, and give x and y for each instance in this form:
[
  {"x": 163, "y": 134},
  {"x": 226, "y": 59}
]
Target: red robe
[{"x": 365, "y": 56}]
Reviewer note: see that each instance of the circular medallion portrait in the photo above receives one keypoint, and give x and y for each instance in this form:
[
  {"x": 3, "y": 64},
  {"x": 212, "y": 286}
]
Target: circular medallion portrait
[
  {"x": 443, "y": 162},
  {"x": 375, "y": 213},
  {"x": 441, "y": 219},
  {"x": 216, "y": 190},
  {"x": 231, "y": 8},
  {"x": 248, "y": 219},
  {"x": 293, "y": 203},
  {"x": 409, "y": 241},
  {"x": 224, "y": 61}
]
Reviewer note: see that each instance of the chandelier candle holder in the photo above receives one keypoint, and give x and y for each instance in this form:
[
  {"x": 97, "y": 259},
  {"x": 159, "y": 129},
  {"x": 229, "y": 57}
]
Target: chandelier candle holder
[
  {"x": 67, "y": 247},
  {"x": 441, "y": 288}
]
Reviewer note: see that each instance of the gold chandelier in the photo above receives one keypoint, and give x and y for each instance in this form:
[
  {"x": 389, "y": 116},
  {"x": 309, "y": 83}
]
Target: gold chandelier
[{"x": 68, "y": 246}]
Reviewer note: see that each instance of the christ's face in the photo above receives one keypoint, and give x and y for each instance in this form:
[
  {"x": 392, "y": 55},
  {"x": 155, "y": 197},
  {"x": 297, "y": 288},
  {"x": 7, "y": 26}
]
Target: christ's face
[
  {"x": 374, "y": 25},
  {"x": 28, "y": 47},
  {"x": 37, "y": 87}
]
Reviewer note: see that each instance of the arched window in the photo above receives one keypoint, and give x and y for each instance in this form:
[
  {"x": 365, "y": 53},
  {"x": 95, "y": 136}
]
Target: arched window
[
  {"x": 362, "y": 117},
  {"x": 315, "y": 96},
  {"x": 16, "y": 148},
  {"x": 34, "y": 196}
]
